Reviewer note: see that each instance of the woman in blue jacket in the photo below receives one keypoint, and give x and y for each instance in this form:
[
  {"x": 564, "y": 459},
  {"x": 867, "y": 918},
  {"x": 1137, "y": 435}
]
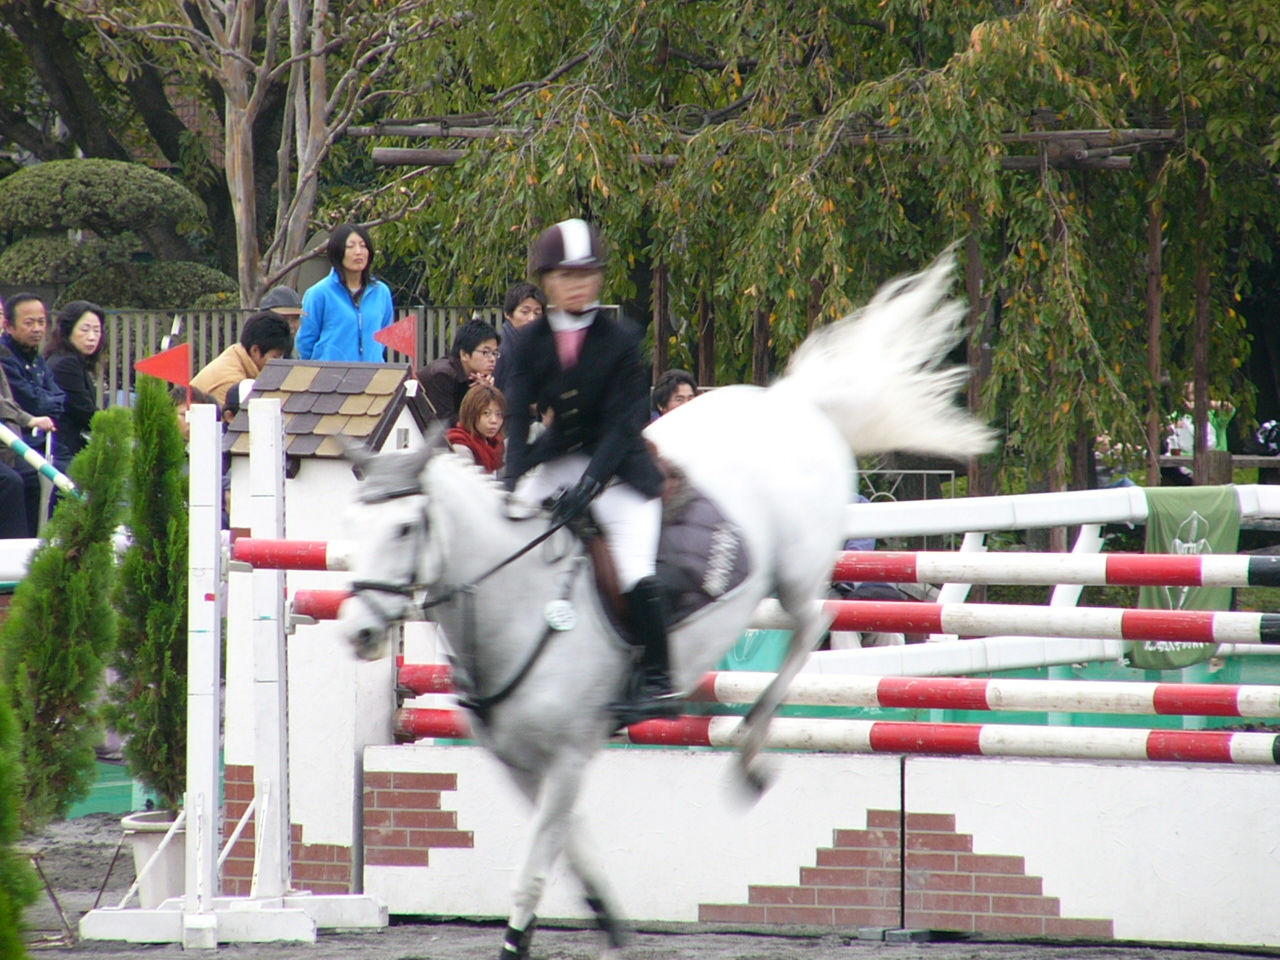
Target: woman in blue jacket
[{"x": 342, "y": 312}]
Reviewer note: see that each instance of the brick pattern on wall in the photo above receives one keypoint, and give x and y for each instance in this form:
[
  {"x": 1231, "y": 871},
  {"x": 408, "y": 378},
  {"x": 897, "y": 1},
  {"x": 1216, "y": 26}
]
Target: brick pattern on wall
[
  {"x": 404, "y": 819},
  {"x": 857, "y": 883},
  {"x": 322, "y": 868}
]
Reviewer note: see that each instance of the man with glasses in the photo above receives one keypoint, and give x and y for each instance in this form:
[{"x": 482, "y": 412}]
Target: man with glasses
[{"x": 471, "y": 359}]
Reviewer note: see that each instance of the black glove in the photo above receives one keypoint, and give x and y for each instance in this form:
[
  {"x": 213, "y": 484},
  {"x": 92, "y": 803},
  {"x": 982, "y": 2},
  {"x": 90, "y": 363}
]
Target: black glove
[{"x": 573, "y": 502}]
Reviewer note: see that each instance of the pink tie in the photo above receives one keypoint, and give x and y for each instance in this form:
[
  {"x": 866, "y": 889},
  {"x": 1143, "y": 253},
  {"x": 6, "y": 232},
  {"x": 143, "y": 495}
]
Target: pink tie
[{"x": 569, "y": 345}]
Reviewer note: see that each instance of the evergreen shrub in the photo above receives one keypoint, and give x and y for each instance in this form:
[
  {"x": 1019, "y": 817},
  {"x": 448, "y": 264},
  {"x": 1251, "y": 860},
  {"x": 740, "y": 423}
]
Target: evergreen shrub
[
  {"x": 18, "y": 886},
  {"x": 61, "y": 629},
  {"x": 149, "y": 699}
]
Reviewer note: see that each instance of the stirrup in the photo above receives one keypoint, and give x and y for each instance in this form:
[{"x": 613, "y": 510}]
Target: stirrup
[{"x": 649, "y": 697}]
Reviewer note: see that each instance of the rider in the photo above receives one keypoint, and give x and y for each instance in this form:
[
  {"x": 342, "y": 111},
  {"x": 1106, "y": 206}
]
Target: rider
[{"x": 584, "y": 366}]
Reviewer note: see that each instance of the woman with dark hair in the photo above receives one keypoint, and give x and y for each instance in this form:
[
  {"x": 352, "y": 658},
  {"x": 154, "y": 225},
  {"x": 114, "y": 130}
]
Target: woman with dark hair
[
  {"x": 72, "y": 353},
  {"x": 478, "y": 434},
  {"x": 342, "y": 312}
]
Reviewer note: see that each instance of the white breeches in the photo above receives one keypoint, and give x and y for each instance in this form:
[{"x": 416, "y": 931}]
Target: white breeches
[{"x": 631, "y": 521}]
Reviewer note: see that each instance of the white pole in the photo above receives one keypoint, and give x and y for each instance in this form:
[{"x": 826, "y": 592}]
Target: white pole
[
  {"x": 204, "y": 665},
  {"x": 272, "y": 858}
]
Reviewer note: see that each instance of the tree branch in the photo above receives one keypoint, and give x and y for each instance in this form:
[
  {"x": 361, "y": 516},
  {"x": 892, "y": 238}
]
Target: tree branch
[
  {"x": 15, "y": 126},
  {"x": 550, "y": 78},
  {"x": 742, "y": 64}
]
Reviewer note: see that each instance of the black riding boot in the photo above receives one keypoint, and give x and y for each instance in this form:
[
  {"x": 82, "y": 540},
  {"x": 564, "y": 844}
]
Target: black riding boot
[{"x": 651, "y": 693}]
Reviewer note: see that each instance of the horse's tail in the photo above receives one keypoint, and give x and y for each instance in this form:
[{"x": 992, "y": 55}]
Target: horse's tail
[{"x": 877, "y": 373}]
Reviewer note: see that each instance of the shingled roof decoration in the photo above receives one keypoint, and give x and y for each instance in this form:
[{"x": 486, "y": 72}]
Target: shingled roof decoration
[{"x": 323, "y": 402}]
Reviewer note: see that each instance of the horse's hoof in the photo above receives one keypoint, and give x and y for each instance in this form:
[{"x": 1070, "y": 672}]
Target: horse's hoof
[
  {"x": 754, "y": 779},
  {"x": 515, "y": 945},
  {"x": 369, "y": 644}
]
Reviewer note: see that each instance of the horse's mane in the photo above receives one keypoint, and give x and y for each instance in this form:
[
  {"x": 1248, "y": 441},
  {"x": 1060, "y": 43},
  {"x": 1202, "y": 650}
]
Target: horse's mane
[{"x": 486, "y": 484}]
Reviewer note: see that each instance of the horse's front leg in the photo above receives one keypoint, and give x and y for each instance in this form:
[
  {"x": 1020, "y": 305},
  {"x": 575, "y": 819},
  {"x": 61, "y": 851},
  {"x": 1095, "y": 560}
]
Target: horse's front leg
[
  {"x": 580, "y": 851},
  {"x": 556, "y": 794},
  {"x": 811, "y": 624}
]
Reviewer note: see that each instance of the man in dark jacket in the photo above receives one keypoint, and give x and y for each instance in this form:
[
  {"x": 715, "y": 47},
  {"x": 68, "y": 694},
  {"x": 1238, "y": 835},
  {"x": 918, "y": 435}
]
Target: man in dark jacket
[
  {"x": 31, "y": 382},
  {"x": 585, "y": 368}
]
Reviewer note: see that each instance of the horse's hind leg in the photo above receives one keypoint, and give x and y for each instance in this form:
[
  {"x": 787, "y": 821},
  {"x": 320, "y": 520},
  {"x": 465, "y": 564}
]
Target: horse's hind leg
[
  {"x": 811, "y": 624},
  {"x": 554, "y": 795}
]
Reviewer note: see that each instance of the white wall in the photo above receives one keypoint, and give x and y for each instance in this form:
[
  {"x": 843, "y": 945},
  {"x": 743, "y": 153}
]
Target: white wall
[{"x": 1168, "y": 852}]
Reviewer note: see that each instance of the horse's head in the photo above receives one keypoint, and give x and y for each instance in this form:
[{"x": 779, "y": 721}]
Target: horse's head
[{"x": 394, "y": 557}]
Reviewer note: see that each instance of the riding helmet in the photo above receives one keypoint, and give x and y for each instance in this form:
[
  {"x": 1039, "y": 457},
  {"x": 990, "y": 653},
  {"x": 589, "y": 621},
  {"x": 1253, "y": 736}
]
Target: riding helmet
[{"x": 569, "y": 245}]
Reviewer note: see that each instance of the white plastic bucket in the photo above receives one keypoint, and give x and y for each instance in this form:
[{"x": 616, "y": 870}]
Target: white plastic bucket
[{"x": 167, "y": 876}]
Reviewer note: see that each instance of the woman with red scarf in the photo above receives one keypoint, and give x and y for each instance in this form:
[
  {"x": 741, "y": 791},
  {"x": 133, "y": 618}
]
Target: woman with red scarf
[{"x": 478, "y": 434}]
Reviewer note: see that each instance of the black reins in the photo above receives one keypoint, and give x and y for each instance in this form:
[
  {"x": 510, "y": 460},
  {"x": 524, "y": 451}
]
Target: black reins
[{"x": 480, "y": 706}]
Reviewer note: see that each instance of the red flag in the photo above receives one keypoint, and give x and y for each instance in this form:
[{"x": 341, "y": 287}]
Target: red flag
[
  {"x": 401, "y": 336},
  {"x": 172, "y": 366}
]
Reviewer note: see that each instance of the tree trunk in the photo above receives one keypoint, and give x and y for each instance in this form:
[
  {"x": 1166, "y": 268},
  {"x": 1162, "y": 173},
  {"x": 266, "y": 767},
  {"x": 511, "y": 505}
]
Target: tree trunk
[
  {"x": 760, "y": 345},
  {"x": 244, "y": 199},
  {"x": 978, "y": 349},
  {"x": 1155, "y": 320},
  {"x": 816, "y": 289},
  {"x": 661, "y": 333},
  {"x": 706, "y": 341},
  {"x": 1200, "y": 345}
]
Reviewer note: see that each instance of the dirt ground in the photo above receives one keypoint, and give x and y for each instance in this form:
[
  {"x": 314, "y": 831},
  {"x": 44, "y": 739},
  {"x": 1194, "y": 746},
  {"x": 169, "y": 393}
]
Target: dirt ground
[{"x": 75, "y": 856}]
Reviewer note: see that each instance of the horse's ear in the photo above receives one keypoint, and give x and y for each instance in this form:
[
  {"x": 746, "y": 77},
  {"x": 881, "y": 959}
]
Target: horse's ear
[
  {"x": 358, "y": 454},
  {"x": 433, "y": 440}
]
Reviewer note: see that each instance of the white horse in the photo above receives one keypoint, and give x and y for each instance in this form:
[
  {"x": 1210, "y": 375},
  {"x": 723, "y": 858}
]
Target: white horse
[{"x": 535, "y": 653}]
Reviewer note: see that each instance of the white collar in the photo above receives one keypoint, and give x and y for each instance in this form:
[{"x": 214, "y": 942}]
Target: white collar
[{"x": 561, "y": 321}]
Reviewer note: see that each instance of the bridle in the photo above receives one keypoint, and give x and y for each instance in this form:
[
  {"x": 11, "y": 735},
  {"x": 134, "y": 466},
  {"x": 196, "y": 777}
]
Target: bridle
[{"x": 372, "y": 591}]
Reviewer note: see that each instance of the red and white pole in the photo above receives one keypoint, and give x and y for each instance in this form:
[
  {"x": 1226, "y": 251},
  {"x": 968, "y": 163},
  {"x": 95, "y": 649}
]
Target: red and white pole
[
  {"x": 1124, "y": 569},
  {"x": 948, "y": 693},
  {"x": 949, "y": 739}
]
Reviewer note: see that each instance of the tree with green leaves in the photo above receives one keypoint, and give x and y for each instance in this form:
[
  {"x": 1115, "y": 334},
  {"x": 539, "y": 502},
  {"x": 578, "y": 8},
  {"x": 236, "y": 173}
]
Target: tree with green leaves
[
  {"x": 761, "y": 168},
  {"x": 243, "y": 99},
  {"x": 84, "y": 222},
  {"x": 149, "y": 698},
  {"x": 61, "y": 629},
  {"x": 18, "y": 887}
]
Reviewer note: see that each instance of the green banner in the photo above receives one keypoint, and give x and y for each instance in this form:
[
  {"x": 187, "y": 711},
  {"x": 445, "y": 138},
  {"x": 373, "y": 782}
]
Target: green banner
[{"x": 1187, "y": 520}]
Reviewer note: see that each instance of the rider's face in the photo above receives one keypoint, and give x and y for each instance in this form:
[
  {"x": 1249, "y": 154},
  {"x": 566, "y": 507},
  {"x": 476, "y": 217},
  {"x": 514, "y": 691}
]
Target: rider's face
[{"x": 573, "y": 290}]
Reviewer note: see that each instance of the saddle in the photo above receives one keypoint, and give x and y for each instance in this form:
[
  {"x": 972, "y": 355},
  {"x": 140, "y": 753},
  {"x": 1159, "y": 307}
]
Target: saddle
[{"x": 702, "y": 555}]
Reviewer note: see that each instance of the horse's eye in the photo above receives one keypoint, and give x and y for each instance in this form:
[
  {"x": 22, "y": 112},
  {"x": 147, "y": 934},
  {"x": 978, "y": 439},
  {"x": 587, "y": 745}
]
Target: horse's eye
[{"x": 406, "y": 530}]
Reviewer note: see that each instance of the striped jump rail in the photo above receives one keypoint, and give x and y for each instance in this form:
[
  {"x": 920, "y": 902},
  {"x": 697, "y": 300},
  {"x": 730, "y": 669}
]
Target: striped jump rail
[
  {"x": 1103, "y": 569},
  {"x": 943, "y": 693},
  {"x": 978, "y": 620},
  {"x": 264, "y": 554},
  {"x": 947, "y": 739},
  {"x": 39, "y": 463}
]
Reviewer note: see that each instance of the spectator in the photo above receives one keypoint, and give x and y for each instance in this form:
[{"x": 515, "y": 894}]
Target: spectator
[
  {"x": 19, "y": 482},
  {"x": 471, "y": 359},
  {"x": 524, "y": 304},
  {"x": 284, "y": 302},
  {"x": 237, "y": 397},
  {"x": 478, "y": 435},
  {"x": 674, "y": 389},
  {"x": 342, "y": 312},
  {"x": 73, "y": 352},
  {"x": 13, "y": 504},
  {"x": 265, "y": 337},
  {"x": 182, "y": 398},
  {"x": 32, "y": 385}
]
